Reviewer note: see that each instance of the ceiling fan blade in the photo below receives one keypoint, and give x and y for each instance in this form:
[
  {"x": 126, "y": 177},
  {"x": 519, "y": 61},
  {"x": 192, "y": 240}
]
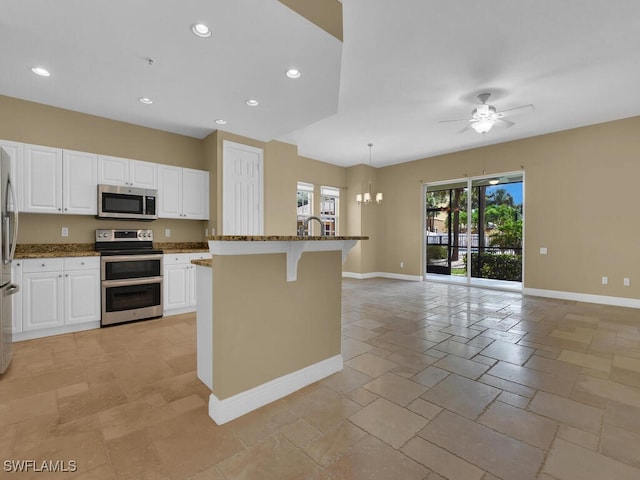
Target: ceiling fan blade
[
  {"x": 506, "y": 122},
  {"x": 468, "y": 127},
  {"x": 521, "y": 109},
  {"x": 458, "y": 120}
]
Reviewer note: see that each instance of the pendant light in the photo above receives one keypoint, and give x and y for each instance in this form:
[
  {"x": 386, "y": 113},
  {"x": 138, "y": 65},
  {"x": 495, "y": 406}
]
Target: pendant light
[{"x": 365, "y": 198}]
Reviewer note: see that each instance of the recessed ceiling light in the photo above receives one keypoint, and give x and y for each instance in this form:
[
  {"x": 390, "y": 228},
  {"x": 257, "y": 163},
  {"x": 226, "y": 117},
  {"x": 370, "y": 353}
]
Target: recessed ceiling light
[
  {"x": 201, "y": 30},
  {"x": 43, "y": 72},
  {"x": 145, "y": 100},
  {"x": 293, "y": 73},
  {"x": 252, "y": 102},
  {"x": 220, "y": 121}
]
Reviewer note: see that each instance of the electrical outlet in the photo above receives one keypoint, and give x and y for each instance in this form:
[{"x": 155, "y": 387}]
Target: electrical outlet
[
  {"x": 605, "y": 280},
  {"x": 206, "y": 232},
  {"x": 543, "y": 250},
  {"x": 626, "y": 282},
  {"x": 167, "y": 232},
  {"x": 64, "y": 231},
  {"x": 401, "y": 264}
]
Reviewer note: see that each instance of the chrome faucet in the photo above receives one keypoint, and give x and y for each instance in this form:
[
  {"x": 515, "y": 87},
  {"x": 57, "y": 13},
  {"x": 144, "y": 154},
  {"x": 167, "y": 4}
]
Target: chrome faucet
[{"x": 303, "y": 227}]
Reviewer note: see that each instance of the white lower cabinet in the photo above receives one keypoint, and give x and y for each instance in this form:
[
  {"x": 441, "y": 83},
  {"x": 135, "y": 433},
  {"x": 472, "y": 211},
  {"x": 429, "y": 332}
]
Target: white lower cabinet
[
  {"x": 180, "y": 282},
  {"x": 81, "y": 290},
  {"x": 59, "y": 294}
]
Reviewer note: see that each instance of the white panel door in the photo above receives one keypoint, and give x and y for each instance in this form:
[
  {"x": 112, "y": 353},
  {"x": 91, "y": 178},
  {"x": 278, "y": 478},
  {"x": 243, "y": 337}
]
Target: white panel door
[
  {"x": 169, "y": 191},
  {"x": 113, "y": 170},
  {"x": 242, "y": 190},
  {"x": 195, "y": 194},
  {"x": 176, "y": 286},
  {"x": 42, "y": 179},
  {"x": 144, "y": 174},
  {"x": 82, "y": 296},
  {"x": 42, "y": 300},
  {"x": 79, "y": 182}
]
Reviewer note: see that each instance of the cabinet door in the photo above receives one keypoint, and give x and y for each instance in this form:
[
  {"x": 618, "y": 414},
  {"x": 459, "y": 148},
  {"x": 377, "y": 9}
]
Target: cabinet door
[
  {"x": 79, "y": 182},
  {"x": 195, "y": 194},
  {"x": 143, "y": 174},
  {"x": 15, "y": 151},
  {"x": 42, "y": 179},
  {"x": 176, "y": 286},
  {"x": 113, "y": 170},
  {"x": 169, "y": 191},
  {"x": 16, "y": 298},
  {"x": 81, "y": 296},
  {"x": 42, "y": 300},
  {"x": 192, "y": 285}
]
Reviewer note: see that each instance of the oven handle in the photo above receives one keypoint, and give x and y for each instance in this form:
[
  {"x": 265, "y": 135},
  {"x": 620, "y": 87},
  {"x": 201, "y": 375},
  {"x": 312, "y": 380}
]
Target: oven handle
[
  {"x": 130, "y": 281},
  {"x": 131, "y": 258}
]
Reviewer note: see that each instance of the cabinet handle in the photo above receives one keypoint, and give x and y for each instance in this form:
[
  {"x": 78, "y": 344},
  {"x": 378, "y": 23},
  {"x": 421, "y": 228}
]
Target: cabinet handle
[
  {"x": 60, "y": 276},
  {"x": 66, "y": 274},
  {"x": 59, "y": 209},
  {"x": 66, "y": 209},
  {"x": 81, "y": 263},
  {"x": 42, "y": 265}
]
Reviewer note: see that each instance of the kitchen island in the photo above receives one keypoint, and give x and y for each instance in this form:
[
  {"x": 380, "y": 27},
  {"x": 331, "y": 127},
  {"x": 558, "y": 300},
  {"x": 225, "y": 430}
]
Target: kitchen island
[{"x": 268, "y": 317}]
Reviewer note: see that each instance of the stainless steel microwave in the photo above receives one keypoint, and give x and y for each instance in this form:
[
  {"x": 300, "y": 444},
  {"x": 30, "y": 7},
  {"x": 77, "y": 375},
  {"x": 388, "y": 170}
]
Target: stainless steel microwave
[{"x": 127, "y": 203}]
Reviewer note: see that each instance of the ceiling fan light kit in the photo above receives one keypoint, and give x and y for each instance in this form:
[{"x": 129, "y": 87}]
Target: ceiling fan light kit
[{"x": 485, "y": 116}]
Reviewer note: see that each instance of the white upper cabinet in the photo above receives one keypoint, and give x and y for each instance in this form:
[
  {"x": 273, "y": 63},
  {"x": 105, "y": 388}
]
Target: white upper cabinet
[
  {"x": 15, "y": 151},
  {"x": 79, "y": 182},
  {"x": 59, "y": 181},
  {"x": 170, "y": 192},
  {"x": 183, "y": 193},
  {"x": 125, "y": 172},
  {"x": 195, "y": 194},
  {"x": 42, "y": 179}
]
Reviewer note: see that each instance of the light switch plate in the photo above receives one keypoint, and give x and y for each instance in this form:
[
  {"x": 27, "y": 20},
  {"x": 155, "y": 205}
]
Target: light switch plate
[
  {"x": 167, "y": 232},
  {"x": 64, "y": 231},
  {"x": 543, "y": 250}
]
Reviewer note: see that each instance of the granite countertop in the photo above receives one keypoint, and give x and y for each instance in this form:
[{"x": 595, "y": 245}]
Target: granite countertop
[
  {"x": 277, "y": 238},
  {"x": 53, "y": 250},
  {"x": 203, "y": 263},
  {"x": 182, "y": 247}
]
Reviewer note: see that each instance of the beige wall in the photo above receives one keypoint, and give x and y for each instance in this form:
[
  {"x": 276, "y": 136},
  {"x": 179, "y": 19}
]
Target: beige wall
[
  {"x": 326, "y": 14},
  {"x": 265, "y": 327},
  {"x": 29, "y": 122},
  {"x": 579, "y": 203}
]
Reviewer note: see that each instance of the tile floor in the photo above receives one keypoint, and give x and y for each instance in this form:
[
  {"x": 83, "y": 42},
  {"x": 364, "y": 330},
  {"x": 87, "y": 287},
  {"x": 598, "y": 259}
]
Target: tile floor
[{"x": 440, "y": 381}]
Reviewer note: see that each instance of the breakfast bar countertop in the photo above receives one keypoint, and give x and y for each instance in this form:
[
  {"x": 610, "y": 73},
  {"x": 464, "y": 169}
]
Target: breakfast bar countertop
[{"x": 279, "y": 238}]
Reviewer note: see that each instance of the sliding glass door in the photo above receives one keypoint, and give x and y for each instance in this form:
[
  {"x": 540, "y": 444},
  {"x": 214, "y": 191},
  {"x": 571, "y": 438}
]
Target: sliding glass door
[
  {"x": 485, "y": 244},
  {"x": 446, "y": 223}
]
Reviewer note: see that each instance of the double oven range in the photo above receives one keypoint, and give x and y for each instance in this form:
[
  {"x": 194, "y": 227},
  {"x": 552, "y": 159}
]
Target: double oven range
[{"x": 130, "y": 274}]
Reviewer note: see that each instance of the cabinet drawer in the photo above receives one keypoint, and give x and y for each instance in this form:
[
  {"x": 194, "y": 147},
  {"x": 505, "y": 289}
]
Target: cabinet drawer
[
  {"x": 200, "y": 256},
  {"x": 32, "y": 265},
  {"x": 176, "y": 258},
  {"x": 82, "y": 263}
]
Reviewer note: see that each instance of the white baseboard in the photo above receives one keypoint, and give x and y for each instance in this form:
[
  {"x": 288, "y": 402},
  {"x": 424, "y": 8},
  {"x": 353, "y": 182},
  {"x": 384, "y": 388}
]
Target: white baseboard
[
  {"x": 223, "y": 411},
  {"x": 583, "y": 297},
  {"x": 395, "y": 276},
  {"x": 47, "y": 332}
]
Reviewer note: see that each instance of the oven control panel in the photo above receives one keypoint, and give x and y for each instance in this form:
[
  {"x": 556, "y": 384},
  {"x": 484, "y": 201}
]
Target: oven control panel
[{"x": 114, "y": 235}]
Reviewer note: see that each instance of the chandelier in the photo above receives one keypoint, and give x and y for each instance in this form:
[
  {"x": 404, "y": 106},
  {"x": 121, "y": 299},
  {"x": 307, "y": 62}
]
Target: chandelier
[{"x": 365, "y": 198}]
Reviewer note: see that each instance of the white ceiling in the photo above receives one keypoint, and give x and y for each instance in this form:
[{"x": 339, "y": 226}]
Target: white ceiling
[{"x": 404, "y": 66}]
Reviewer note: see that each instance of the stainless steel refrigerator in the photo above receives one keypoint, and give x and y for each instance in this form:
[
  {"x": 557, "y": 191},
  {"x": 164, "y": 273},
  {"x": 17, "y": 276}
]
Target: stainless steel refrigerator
[{"x": 8, "y": 238}]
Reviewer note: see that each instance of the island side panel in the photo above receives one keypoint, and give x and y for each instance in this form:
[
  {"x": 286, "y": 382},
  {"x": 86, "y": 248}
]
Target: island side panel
[{"x": 265, "y": 327}]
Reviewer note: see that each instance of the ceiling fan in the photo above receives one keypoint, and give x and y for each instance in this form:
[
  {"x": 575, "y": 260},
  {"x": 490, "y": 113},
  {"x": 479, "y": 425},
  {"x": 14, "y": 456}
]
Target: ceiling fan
[{"x": 485, "y": 116}]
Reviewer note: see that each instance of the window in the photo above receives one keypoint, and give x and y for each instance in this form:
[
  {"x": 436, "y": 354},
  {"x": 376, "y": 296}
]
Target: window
[
  {"x": 329, "y": 208},
  {"x": 305, "y": 207}
]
